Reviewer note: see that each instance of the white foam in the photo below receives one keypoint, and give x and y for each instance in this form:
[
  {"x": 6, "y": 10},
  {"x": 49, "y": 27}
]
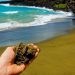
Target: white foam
[
  {"x": 65, "y": 13},
  {"x": 40, "y": 20},
  {"x": 5, "y": 4},
  {"x": 58, "y": 11},
  {"x": 44, "y": 8},
  {"x": 10, "y": 12}
]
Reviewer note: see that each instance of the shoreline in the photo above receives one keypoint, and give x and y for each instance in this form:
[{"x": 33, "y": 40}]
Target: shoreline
[
  {"x": 69, "y": 33},
  {"x": 57, "y": 56},
  {"x": 46, "y": 29},
  {"x": 48, "y": 39},
  {"x": 59, "y": 16}
]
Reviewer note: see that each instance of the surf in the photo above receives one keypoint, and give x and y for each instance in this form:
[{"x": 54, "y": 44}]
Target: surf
[{"x": 40, "y": 16}]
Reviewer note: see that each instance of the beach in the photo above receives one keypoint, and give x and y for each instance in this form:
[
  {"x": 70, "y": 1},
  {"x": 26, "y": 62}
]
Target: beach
[
  {"x": 35, "y": 33},
  {"x": 57, "y": 57},
  {"x": 32, "y": 24},
  {"x": 53, "y": 31}
]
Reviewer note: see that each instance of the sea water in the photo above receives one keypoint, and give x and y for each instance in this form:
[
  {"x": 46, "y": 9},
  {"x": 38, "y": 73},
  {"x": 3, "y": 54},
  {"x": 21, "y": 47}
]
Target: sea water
[{"x": 31, "y": 24}]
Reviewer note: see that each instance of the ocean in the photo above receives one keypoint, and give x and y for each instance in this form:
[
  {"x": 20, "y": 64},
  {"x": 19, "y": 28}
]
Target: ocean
[{"x": 31, "y": 24}]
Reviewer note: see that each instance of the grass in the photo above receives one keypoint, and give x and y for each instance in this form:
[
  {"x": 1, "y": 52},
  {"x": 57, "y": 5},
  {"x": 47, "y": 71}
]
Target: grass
[{"x": 57, "y": 57}]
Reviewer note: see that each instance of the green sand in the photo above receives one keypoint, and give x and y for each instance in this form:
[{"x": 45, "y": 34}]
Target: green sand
[{"x": 57, "y": 57}]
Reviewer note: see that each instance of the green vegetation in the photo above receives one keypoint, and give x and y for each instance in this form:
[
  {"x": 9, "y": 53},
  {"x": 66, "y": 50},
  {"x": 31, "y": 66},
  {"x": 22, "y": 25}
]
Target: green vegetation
[
  {"x": 65, "y": 5},
  {"x": 55, "y": 4},
  {"x": 60, "y": 6},
  {"x": 57, "y": 57}
]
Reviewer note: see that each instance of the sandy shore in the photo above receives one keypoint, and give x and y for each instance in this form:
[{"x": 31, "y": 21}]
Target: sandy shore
[{"x": 57, "y": 57}]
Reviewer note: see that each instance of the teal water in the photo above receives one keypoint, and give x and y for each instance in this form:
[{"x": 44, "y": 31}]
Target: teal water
[
  {"x": 21, "y": 14},
  {"x": 24, "y": 16},
  {"x": 32, "y": 24}
]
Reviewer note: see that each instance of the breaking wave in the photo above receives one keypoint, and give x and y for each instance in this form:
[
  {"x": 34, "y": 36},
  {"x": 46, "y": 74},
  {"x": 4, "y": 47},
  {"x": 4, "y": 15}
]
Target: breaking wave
[
  {"x": 39, "y": 20},
  {"x": 10, "y": 12},
  {"x": 5, "y": 4}
]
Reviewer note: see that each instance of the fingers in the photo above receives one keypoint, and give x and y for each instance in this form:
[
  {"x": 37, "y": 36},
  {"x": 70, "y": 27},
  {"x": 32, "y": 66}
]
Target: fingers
[
  {"x": 16, "y": 69},
  {"x": 37, "y": 50},
  {"x": 11, "y": 54},
  {"x": 32, "y": 46},
  {"x": 8, "y": 55},
  {"x": 19, "y": 68},
  {"x": 35, "y": 47}
]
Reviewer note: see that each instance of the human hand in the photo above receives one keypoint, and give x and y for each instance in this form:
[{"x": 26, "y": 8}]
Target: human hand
[{"x": 7, "y": 66}]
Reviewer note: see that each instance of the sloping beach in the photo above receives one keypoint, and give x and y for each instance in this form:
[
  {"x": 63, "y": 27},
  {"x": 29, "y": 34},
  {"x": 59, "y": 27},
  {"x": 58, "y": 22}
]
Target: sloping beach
[{"x": 57, "y": 57}]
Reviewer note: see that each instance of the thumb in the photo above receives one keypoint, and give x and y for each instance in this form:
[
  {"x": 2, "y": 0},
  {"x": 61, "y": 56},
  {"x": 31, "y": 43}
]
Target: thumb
[{"x": 16, "y": 69}]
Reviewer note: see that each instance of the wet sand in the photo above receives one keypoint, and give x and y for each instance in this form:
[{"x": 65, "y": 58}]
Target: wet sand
[{"x": 57, "y": 57}]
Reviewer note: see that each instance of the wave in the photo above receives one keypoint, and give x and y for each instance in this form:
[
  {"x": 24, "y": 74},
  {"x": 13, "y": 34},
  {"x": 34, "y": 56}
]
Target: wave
[
  {"x": 40, "y": 20},
  {"x": 5, "y": 4},
  {"x": 10, "y": 12},
  {"x": 44, "y": 8}
]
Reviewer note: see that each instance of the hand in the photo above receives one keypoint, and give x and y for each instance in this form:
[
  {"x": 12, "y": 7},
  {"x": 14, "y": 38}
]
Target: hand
[{"x": 7, "y": 66}]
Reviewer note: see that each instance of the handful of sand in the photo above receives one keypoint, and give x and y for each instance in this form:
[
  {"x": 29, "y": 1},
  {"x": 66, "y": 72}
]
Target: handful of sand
[{"x": 25, "y": 53}]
